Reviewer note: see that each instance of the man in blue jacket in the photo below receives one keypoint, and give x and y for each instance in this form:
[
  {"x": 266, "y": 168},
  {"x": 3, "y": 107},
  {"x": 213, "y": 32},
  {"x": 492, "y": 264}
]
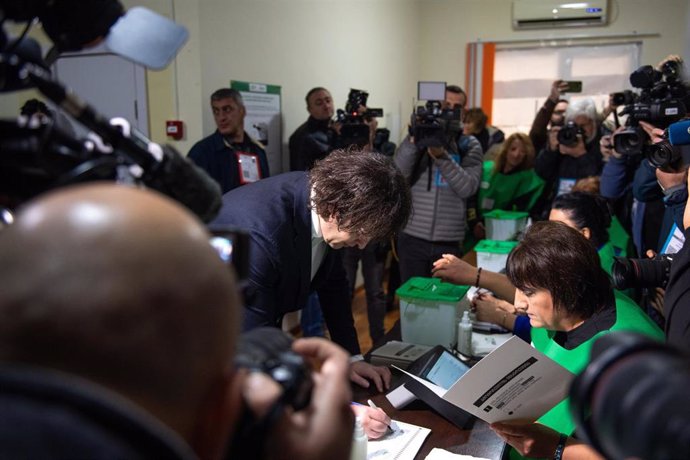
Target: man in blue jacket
[
  {"x": 230, "y": 155},
  {"x": 296, "y": 220}
]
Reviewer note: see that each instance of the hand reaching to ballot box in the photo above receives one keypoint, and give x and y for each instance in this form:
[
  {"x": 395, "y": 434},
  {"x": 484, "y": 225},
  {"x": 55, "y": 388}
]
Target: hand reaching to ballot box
[{"x": 454, "y": 270}]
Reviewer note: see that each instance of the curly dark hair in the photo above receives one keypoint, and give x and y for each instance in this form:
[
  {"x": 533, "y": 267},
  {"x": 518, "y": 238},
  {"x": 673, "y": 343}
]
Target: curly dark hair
[
  {"x": 559, "y": 259},
  {"x": 363, "y": 190}
]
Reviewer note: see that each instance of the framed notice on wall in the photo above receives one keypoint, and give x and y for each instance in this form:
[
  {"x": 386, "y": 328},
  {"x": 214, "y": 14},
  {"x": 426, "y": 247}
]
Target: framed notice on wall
[{"x": 262, "y": 121}]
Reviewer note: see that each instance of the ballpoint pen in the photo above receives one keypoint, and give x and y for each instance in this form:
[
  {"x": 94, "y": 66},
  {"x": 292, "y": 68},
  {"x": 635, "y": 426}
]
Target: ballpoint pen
[{"x": 393, "y": 426}]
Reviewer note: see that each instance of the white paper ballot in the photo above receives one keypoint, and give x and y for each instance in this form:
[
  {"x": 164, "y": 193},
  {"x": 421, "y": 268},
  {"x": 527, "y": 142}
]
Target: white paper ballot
[{"x": 515, "y": 381}]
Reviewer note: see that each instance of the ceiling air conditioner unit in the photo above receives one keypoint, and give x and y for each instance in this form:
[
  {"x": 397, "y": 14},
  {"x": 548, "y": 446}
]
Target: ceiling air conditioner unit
[{"x": 542, "y": 14}]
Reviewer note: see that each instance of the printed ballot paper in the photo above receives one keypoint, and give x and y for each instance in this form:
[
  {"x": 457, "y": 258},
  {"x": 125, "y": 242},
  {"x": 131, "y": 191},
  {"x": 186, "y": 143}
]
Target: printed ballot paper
[{"x": 515, "y": 381}]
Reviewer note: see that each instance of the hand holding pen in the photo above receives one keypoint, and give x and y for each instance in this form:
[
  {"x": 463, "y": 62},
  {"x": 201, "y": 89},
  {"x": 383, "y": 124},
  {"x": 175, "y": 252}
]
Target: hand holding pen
[{"x": 374, "y": 420}]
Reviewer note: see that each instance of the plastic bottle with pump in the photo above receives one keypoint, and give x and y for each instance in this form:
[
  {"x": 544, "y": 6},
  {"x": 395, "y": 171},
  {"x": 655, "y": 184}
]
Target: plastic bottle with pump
[
  {"x": 465, "y": 334},
  {"x": 359, "y": 442}
]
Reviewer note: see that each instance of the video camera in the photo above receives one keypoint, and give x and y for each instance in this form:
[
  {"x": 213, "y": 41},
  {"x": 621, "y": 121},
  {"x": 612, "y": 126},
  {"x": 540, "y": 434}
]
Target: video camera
[
  {"x": 432, "y": 125},
  {"x": 661, "y": 101},
  {"x": 354, "y": 130},
  {"x": 631, "y": 399},
  {"x": 38, "y": 157}
]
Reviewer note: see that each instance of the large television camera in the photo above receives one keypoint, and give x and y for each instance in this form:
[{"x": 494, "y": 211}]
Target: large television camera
[
  {"x": 431, "y": 124},
  {"x": 35, "y": 157},
  {"x": 353, "y": 127},
  {"x": 661, "y": 101}
]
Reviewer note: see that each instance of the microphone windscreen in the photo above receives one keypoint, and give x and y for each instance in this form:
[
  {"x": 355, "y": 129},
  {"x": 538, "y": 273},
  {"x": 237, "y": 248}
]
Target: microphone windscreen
[{"x": 679, "y": 133}]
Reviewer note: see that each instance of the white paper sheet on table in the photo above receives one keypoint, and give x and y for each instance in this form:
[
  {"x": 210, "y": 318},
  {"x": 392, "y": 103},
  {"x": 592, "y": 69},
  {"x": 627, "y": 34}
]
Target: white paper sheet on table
[
  {"x": 398, "y": 445},
  {"x": 441, "y": 454}
]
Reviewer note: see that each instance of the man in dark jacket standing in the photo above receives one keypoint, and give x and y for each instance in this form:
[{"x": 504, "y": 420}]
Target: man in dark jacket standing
[
  {"x": 314, "y": 139},
  {"x": 230, "y": 155}
]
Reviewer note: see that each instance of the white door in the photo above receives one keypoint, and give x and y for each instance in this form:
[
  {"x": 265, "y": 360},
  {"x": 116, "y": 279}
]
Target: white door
[{"x": 112, "y": 85}]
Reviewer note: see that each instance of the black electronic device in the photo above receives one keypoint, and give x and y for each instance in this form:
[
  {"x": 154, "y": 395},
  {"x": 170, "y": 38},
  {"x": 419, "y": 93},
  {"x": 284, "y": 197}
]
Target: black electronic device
[
  {"x": 439, "y": 366},
  {"x": 433, "y": 124},
  {"x": 573, "y": 87},
  {"x": 442, "y": 368},
  {"x": 232, "y": 245}
]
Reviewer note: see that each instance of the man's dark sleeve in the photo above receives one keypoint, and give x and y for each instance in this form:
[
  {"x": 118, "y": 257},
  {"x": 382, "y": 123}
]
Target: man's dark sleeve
[
  {"x": 677, "y": 298},
  {"x": 539, "y": 132},
  {"x": 546, "y": 164},
  {"x": 334, "y": 297},
  {"x": 616, "y": 176},
  {"x": 315, "y": 146},
  {"x": 260, "y": 303},
  {"x": 645, "y": 186}
]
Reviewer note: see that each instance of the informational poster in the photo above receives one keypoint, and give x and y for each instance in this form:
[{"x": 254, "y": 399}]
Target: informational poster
[{"x": 262, "y": 121}]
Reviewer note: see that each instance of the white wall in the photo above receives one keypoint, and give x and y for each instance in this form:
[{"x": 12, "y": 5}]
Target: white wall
[
  {"x": 299, "y": 44},
  {"x": 382, "y": 46}
]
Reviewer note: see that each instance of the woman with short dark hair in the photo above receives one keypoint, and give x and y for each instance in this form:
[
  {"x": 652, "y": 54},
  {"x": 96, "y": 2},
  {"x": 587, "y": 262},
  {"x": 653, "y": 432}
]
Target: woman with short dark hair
[{"x": 570, "y": 302}]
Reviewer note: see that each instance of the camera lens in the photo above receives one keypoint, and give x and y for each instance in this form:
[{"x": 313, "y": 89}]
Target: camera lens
[
  {"x": 630, "y": 273},
  {"x": 662, "y": 154},
  {"x": 629, "y": 141},
  {"x": 568, "y": 134}
]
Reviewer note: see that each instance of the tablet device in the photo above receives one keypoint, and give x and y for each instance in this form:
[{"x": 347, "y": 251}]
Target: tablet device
[{"x": 439, "y": 366}]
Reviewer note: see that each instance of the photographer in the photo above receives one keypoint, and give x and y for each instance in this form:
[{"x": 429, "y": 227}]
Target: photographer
[
  {"x": 119, "y": 342},
  {"x": 572, "y": 151},
  {"x": 676, "y": 308},
  {"x": 441, "y": 179},
  {"x": 551, "y": 114},
  {"x": 314, "y": 139}
]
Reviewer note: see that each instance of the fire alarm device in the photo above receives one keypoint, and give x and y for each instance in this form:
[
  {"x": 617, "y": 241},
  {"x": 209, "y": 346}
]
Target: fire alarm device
[{"x": 174, "y": 129}]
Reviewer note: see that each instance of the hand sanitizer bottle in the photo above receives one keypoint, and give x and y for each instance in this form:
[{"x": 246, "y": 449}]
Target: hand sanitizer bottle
[
  {"x": 359, "y": 442},
  {"x": 465, "y": 334}
]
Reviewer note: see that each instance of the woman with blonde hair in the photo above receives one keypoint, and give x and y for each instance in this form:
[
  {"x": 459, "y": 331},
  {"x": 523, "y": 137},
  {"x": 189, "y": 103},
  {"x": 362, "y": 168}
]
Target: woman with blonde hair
[{"x": 509, "y": 183}]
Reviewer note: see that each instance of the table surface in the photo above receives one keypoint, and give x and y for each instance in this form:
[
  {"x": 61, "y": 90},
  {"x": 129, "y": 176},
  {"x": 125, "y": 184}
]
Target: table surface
[{"x": 479, "y": 441}]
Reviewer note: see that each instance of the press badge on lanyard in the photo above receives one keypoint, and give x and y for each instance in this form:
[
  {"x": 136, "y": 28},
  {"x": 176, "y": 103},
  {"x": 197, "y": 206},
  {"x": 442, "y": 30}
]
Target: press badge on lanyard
[
  {"x": 674, "y": 241},
  {"x": 248, "y": 165},
  {"x": 440, "y": 180},
  {"x": 565, "y": 185}
]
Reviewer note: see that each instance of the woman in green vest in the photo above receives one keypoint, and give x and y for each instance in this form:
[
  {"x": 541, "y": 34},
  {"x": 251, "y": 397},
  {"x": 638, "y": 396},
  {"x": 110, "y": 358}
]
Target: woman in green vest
[
  {"x": 570, "y": 303},
  {"x": 509, "y": 183}
]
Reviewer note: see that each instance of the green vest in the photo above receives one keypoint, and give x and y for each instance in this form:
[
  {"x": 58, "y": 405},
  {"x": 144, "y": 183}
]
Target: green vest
[
  {"x": 619, "y": 238},
  {"x": 502, "y": 191},
  {"x": 629, "y": 317},
  {"x": 606, "y": 254}
]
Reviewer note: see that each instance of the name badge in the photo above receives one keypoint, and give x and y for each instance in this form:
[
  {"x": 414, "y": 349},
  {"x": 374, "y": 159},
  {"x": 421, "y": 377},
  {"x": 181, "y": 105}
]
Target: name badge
[
  {"x": 249, "y": 167},
  {"x": 674, "y": 242},
  {"x": 565, "y": 185}
]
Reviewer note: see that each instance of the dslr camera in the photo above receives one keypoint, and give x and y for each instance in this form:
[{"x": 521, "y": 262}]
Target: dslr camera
[
  {"x": 269, "y": 350},
  {"x": 567, "y": 135},
  {"x": 660, "y": 102},
  {"x": 354, "y": 130},
  {"x": 649, "y": 273},
  {"x": 432, "y": 125}
]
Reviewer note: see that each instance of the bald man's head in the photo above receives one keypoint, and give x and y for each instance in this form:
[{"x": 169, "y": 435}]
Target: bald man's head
[{"x": 120, "y": 286}]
